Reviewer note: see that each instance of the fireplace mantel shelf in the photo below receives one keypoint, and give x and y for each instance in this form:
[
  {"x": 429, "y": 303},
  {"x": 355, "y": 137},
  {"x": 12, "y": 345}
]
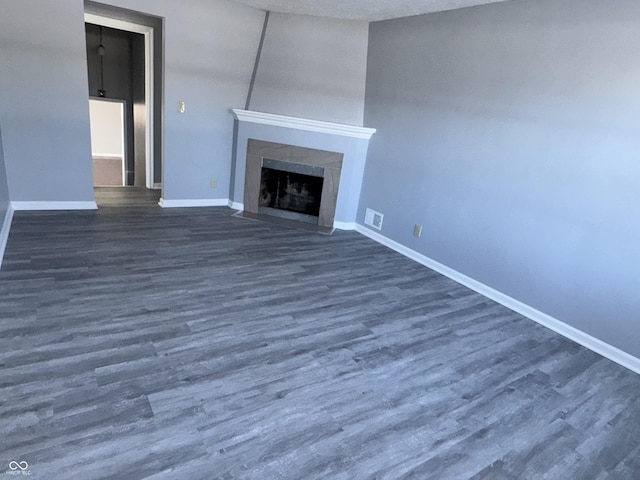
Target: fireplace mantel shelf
[{"x": 302, "y": 124}]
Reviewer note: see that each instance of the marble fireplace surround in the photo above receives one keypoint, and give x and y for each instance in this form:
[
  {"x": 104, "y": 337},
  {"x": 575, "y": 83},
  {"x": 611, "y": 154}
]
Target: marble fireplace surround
[{"x": 331, "y": 162}]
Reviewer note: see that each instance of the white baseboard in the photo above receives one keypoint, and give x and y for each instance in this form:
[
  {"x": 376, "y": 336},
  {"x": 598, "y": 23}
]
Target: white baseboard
[
  {"x": 592, "y": 343},
  {"x": 54, "y": 205},
  {"x": 236, "y": 205},
  {"x": 157, "y": 186},
  {"x": 204, "y": 202},
  {"x": 4, "y": 231},
  {"x": 344, "y": 225}
]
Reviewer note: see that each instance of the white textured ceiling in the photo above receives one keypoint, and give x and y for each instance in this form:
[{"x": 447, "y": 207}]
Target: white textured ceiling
[{"x": 370, "y": 10}]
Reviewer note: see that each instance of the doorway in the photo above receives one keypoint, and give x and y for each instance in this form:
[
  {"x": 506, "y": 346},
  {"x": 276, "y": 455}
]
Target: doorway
[
  {"x": 115, "y": 67},
  {"x": 121, "y": 49}
]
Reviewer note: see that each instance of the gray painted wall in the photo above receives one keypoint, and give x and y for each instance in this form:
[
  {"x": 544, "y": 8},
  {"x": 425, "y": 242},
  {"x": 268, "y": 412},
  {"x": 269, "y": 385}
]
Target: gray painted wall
[
  {"x": 44, "y": 101},
  {"x": 312, "y": 67},
  {"x": 210, "y": 48},
  {"x": 510, "y": 132}
]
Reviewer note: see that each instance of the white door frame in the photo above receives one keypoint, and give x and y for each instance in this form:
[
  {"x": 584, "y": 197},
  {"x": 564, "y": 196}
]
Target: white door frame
[{"x": 148, "y": 80}]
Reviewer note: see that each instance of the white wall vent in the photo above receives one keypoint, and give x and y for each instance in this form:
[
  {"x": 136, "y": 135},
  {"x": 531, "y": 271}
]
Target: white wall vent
[{"x": 373, "y": 219}]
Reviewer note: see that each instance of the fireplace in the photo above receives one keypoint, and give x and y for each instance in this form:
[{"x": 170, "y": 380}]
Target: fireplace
[
  {"x": 292, "y": 184},
  {"x": 255, "y": 137}
]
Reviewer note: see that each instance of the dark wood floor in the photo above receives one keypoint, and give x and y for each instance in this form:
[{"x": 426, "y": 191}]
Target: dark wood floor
[
  {"x": 126, "y": 197},
  {"x": 191, "y": 344}
]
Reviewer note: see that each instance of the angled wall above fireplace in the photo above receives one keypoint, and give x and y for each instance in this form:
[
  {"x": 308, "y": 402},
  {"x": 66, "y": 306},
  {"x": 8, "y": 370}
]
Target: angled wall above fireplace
[{"x": 290, "y": 182}]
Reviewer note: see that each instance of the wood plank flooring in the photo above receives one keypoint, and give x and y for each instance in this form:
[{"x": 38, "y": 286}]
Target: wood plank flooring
[
  {"x": 126, "y": 197},
  {"x": 147, "y": 343}
]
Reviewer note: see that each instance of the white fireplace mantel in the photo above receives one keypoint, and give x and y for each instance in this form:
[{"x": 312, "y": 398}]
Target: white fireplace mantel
[{"x": 303, "y": 124}]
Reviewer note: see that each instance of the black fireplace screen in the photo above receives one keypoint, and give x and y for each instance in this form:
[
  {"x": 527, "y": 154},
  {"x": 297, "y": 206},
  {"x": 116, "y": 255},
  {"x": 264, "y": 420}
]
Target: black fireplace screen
[{"x": 290, "y": 191}]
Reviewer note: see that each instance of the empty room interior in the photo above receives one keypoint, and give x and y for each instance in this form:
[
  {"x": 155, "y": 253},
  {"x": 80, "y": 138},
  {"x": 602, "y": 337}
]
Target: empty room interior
[{"x": 280, "y": 239}]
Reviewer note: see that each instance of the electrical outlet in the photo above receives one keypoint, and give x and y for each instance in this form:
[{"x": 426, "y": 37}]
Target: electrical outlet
[
  {"x": 417, "y": 231},
  {"x": 214, "y": 183}
]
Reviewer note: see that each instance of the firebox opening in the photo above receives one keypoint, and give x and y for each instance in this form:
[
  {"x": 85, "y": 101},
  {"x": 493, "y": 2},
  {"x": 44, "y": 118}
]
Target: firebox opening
[{"x": 290, "y": 191}]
